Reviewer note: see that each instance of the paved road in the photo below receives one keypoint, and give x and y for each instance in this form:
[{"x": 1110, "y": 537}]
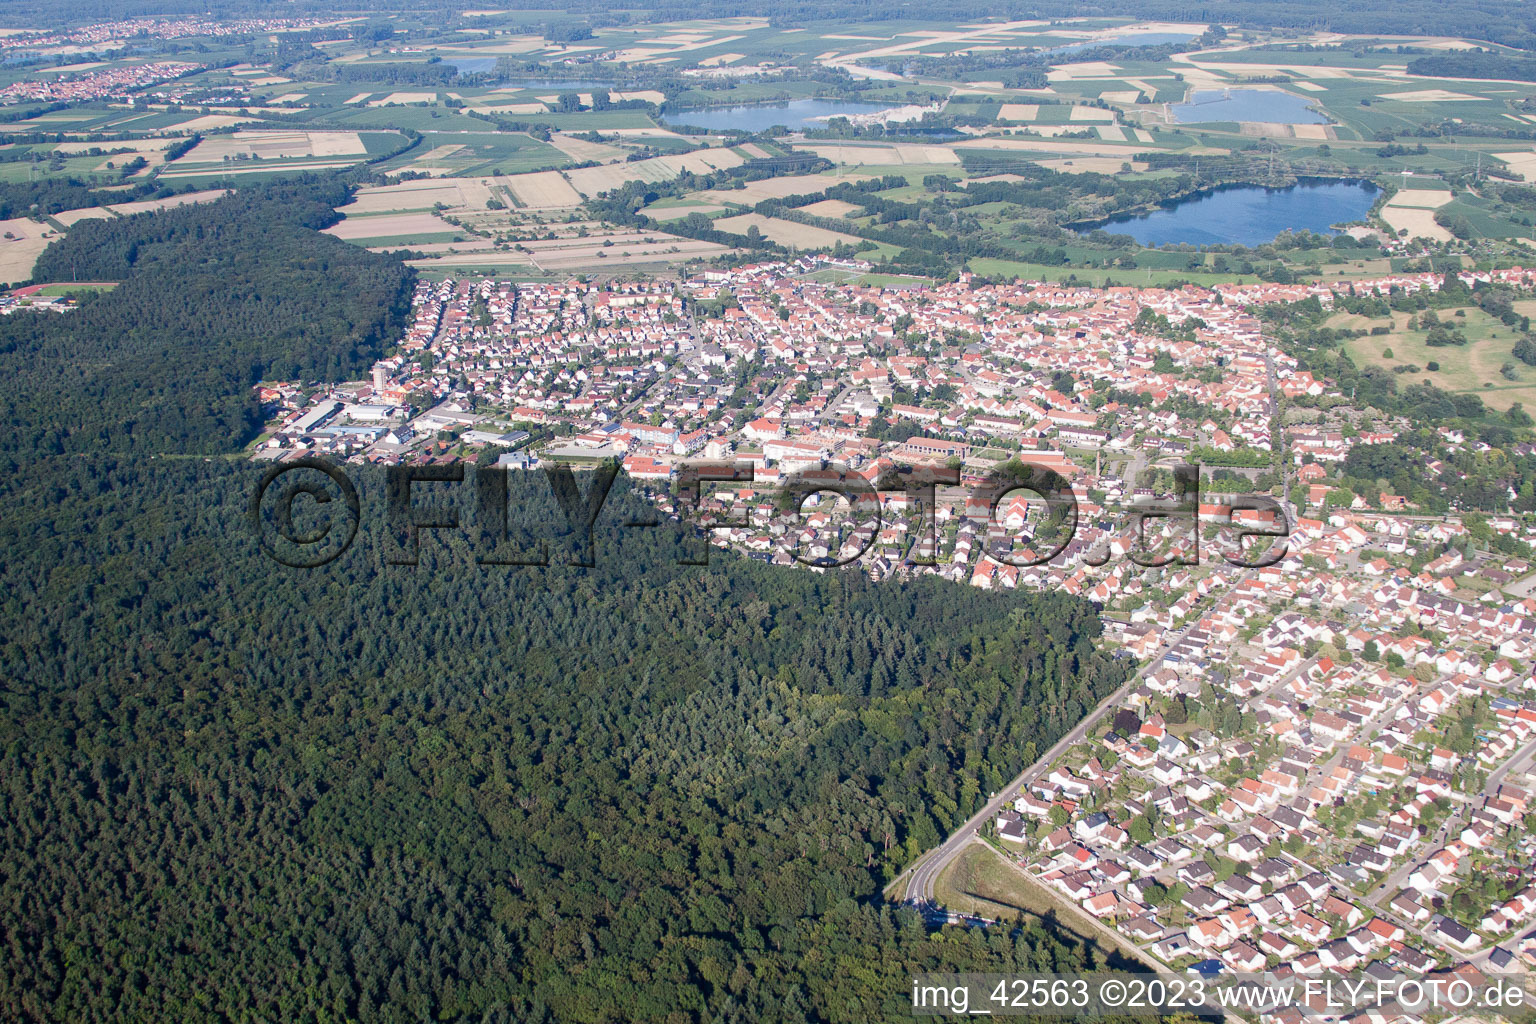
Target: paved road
[{"x": 916, "y": 883}]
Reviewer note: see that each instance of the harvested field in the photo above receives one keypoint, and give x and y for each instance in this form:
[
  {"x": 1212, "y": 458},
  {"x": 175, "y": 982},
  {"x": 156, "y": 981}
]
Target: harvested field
[
  {"x": 830, "y": 208},
  {"x": 582, "y": 150},
  {"x": 1092, "y": 114},
  {"x": 1018, "y": 112},
  {"x": 169, "y": 202},
  {"x": 69, "y": 218},
  {"x": 274, "y": 145},
  {"x": 1429, "y": 96},
  {"x": 702, "y": 161},
  {"x": 211, "y": 122},
  {"x": 454, "y": 193},
  {"x": 21, "y": 242},
  {"x": 1522, "y": 163},
  {"x": 336, "y": 144},
  {"x": 258, "y": 168},
  {"x": 786, "y": 232},
  {"x": 903, "y": 153},
  {"x": 390, "y": 225},
  {"x": 777, "y": 188},
  {"x": 404, "y": 97},
  {"x": 1417, "y": 222},
  {"x": 516, "y": 108},
  {"x": 1420, "y": 198},
  {"x": 543, "y": 190},
  {"x": 1090, "y": 69},
  {"x": 591, "y": 181},
  {"x": 143, "y": 147}
]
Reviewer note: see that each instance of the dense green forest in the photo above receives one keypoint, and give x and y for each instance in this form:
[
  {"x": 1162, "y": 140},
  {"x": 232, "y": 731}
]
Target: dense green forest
[
  {"x": 639, "y": 791},
  {"x": 214, "y": 298},
  {"x": 1474, "y": 65}
]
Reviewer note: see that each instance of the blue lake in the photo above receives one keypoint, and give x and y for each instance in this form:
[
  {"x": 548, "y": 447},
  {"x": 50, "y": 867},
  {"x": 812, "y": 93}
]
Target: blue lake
[
  {"x": 1131, "y": 39},
  {"x": 1248, "y": 214},
  {"x": 757, "y": 117},
  {"x": 1246, "y": 105}
]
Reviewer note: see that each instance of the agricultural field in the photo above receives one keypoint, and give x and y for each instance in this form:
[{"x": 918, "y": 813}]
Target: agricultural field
[
  {"x": 1411, "y": 212},
  {"x": 786, "y": 232},
  {"x": 525, "y": 131},
  {"x": 611, "y": 252},
  {"x": 21, "y": 242}
]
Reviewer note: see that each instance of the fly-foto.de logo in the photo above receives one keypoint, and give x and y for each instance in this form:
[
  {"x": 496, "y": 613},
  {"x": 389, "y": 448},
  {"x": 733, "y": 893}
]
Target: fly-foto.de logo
[{"x": 307, "y": 512}]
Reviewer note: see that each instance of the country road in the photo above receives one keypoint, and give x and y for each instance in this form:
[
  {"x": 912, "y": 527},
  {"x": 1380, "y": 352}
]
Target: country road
[{"x": 916, "y": 883}]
